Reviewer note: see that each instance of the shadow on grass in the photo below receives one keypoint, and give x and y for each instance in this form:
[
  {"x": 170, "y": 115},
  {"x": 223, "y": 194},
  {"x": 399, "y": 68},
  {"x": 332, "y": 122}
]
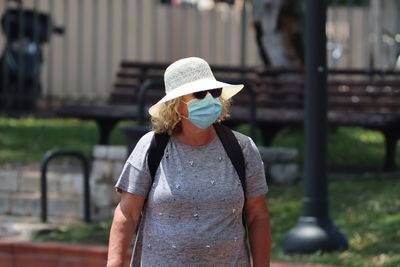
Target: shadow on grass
[{"x": 366, "y": 210}]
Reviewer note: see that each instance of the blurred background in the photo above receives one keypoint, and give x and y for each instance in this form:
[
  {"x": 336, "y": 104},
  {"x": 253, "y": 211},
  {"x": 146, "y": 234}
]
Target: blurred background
[
  {"x": 77, "y": 46},
  {"x": 76, "y": 77}
]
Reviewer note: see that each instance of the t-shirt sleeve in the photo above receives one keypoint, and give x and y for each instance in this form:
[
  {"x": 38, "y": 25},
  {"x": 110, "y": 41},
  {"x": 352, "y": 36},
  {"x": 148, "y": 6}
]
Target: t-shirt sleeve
[
  {"x": 256, "y": 183},
  {"x": 135, "y": 176}
]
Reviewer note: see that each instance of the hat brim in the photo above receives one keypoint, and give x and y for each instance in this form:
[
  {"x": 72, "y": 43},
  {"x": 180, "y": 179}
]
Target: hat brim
[{"x": 228, "y": 90}]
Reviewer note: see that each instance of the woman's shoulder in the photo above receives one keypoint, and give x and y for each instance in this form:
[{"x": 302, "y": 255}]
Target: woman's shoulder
[
  {"x": 146, "y": 138},
  {"x": 144, "y": 141},
  {"x": 242, "y": 138},
  {"x": 142, "y": 146},
  {"x": 246, "y": 143}
]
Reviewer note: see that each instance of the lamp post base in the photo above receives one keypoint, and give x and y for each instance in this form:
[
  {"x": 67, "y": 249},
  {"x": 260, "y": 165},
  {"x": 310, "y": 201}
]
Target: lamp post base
[{"x": 313, "y": 234}]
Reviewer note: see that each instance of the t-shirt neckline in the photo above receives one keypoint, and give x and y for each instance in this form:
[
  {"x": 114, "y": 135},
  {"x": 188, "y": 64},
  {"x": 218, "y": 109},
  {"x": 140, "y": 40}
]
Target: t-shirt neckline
[{"x": 175, "y": 140}]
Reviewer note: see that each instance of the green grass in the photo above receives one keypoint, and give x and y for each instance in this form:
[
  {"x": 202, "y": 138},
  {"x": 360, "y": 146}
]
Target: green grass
[
  {"x": 94, "y": 233},
  {"x": 28, "y": 139},
  {"x": 349, "y": 148},
  {"x": 366, "y": 210}
]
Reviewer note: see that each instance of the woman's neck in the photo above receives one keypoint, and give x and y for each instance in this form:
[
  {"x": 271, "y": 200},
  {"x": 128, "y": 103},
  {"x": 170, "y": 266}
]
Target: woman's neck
[{"x": 194, "y": 136}]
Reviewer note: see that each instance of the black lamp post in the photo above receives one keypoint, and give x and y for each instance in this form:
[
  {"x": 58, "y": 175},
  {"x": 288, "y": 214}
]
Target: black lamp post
[{"x": 315, "y": 230}]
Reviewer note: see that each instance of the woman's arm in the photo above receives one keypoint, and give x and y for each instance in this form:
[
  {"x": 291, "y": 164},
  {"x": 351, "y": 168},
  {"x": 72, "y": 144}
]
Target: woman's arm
[
  {"x": 126, "y": 216},
  {"x": 258, "y": 224}
]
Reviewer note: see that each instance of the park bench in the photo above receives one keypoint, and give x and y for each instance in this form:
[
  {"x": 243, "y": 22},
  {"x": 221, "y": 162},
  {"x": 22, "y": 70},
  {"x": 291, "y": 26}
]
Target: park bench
[
  {"x": 368, "y": 99},
  {"x": 122, "y": 103}
]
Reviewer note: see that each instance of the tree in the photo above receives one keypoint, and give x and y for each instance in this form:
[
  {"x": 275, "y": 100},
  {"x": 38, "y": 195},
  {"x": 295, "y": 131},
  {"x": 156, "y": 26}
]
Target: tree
[{"x": 278, "y": 25}]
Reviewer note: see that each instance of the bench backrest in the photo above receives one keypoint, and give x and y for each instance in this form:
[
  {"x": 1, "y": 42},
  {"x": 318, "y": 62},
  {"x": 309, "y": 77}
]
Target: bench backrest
[{"x": 348, "y": 90}]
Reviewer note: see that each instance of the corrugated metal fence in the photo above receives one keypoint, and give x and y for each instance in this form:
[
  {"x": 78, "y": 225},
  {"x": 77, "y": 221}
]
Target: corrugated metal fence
[{"x": 81, "y": 64}]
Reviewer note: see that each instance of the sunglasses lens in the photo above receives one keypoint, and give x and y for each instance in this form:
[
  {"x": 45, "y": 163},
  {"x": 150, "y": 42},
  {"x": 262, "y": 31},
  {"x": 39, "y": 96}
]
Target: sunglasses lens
[
  {"x": 216, "y": 92},
  {"x": 200, "y": 95}
]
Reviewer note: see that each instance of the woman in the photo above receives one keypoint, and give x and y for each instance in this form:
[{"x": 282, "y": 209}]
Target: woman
[{"x": 192, "y": 210}]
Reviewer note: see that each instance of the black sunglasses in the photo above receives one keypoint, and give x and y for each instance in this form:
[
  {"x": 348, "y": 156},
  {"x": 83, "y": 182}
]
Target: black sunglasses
[{"x": 202, "y": 94}]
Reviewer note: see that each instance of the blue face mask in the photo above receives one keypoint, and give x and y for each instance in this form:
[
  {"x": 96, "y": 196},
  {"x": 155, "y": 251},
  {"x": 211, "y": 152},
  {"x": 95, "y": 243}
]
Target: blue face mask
[{"x": 204, "y": 112}]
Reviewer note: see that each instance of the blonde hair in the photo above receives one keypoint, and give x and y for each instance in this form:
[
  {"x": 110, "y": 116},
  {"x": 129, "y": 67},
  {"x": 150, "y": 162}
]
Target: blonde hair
[{"x": 168, "y": 118}]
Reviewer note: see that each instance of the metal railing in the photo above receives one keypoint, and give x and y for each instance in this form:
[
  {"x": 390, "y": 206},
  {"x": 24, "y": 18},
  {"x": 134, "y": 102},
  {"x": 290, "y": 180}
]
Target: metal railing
[{"x": 43, "y": 181}]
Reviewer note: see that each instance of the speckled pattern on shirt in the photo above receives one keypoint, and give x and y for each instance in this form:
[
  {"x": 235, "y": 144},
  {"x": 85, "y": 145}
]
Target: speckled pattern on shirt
[{"x": 193, "y": 214}]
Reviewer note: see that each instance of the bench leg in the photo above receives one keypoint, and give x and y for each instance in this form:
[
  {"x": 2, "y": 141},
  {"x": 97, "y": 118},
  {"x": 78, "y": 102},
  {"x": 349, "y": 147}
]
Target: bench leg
[
  {"x": 391, "y": 138},
  {"x": 105, "y": 127},
  {"x": 268, "y": 133}
]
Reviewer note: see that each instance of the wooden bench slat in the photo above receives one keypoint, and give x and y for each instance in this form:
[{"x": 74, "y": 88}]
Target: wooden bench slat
[
  {"x": 99, "y": 111},
  {"x": 296, "y": 116},
  {"x": 289, "y": 91}
]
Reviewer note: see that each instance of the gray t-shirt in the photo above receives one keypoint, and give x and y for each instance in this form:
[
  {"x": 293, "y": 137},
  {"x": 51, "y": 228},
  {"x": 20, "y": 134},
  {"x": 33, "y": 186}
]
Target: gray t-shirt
[{"x": 193, "y": 213}]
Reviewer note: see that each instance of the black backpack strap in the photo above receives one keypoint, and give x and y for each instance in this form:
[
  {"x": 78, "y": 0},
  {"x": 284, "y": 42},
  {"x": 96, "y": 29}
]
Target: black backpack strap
[
  {"x": 156, "y": 152},
  {"x": 235, "y": 154},
  {"x": 229, "y": 142},
  {"x": 233, "y": 149}
]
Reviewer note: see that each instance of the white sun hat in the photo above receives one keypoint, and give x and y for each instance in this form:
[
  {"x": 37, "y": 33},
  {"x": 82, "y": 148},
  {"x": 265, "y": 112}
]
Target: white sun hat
[{"x": 190, "y": 75}]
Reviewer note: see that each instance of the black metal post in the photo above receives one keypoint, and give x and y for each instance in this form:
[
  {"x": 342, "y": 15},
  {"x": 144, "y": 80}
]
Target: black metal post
[
  {"x": 315, "y": 231},
  {"x": 19, "y": 94}
]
